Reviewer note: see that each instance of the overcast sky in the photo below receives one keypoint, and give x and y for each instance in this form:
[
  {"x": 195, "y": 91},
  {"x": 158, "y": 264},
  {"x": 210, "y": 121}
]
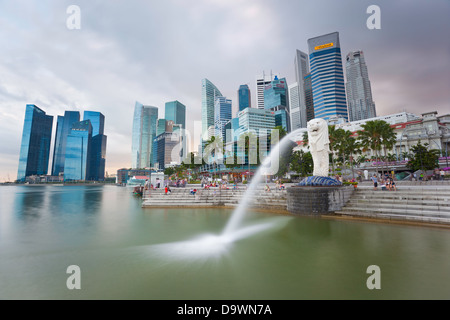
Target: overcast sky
[{"x": 159, "y": 51}]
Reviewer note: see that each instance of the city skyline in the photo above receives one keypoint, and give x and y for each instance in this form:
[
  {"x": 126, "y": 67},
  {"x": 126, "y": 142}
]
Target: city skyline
[{"x": 45, "y": 63}]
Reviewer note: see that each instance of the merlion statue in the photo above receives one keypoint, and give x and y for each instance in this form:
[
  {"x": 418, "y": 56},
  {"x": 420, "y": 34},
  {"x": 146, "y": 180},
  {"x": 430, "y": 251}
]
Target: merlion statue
[{"x": 319, "y": 145}]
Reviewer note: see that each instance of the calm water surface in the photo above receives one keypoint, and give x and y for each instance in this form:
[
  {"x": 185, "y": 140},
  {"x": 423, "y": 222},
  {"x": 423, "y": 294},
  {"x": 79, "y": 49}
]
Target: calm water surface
[{"x": 104, "y": 230}]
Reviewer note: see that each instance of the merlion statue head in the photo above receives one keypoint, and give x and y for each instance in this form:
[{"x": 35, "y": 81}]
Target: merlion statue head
[{"x": 318, "y": 135}]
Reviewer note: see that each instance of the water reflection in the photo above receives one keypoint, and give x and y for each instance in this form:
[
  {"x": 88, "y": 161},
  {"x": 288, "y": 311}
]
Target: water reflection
[{"x": 29, "y": 202}]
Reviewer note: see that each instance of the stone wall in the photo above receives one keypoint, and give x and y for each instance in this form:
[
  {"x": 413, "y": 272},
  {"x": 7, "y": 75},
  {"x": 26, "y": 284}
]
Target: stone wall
[{"x": 317, "y": 200}]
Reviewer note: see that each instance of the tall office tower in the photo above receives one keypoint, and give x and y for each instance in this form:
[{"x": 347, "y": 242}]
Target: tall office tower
[
  {"x": 176, "y": 111},
  {"x": 97, "y": 157},
  {"x": 309, "y": 98},
  {"x": 35, "y": 146},
  {"x": 327, "y": 77},
  {"x": 297, "y": 102},
  {"x": 244, "y": 97},
  {"x": 209, "y": 94},
  {"x": 169, "y": 147},
  {"x": 161, "y": 126},
  {"x": 144, "y": 131},
  {"x": 63, "y": 127},
  {"x": 276, "y": 99},
  {"x": 222, "y": 114},
  {"x": 78, "y": 150},
  {"x": 359, "y": 92},
  {"x": 261, "y": 82}
]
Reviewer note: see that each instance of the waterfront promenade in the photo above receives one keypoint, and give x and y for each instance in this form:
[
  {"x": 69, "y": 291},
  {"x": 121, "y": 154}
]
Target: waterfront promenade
[{"x": 425, "y": 202}]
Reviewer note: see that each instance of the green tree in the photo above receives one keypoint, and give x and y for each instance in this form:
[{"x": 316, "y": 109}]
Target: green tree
[
  {"x": 422, "y": 158},
  {"x": 371, "y": 137},
  {"x": 302, "y": 163},
  {"x": 169, "y": 171}
]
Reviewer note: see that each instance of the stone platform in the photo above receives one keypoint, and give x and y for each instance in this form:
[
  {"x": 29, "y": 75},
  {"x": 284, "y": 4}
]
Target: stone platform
[{"x": 317, "y": 200}]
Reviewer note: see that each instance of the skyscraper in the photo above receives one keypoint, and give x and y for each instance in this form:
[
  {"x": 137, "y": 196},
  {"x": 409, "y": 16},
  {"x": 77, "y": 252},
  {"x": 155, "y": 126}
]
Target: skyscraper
[
  {"x": 78, "y": 149},
  {"x": 261, "y": 82},
  {"x": 63, "y": 127},
  {"x": 276, "y": 99},
  {"x": 222, "y": 114},
  {"x": 209, "y": 94},
  {"x": 327, "y": 77},
  {"x": 244, "y": 97},
  {"x": 35, "y": 146},
  {"x": 297, "y": 101},
  {"x": 144, "y": 131},
  {"x": 309, "y": 98},
  {"x": 359, "y": 92},
  {"x": 176, "y": 111},
  {"x": 97, "y": 156}
]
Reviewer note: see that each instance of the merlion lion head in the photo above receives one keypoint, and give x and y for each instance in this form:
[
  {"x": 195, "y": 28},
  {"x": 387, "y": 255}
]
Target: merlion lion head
[{"x": 318, "y": 134}]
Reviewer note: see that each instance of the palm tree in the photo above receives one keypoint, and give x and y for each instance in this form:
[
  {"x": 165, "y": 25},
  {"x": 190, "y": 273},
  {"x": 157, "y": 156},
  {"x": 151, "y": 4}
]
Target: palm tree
[
  {"x": 389, "y": 138},
  {"x": 334, "y": 137},
  {"x": 371, "y": 137}
]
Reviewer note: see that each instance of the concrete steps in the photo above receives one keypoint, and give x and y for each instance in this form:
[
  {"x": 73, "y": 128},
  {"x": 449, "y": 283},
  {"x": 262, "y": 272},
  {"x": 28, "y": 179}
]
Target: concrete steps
[
  {"x": 426, "y": 204},
  {"x": 214, "y": 197}
]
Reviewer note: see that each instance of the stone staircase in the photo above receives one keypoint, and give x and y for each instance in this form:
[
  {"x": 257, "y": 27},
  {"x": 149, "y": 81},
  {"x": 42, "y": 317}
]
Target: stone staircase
[
  {"x": 424, "y": 204},
  {"x": 181, "y": 197}
]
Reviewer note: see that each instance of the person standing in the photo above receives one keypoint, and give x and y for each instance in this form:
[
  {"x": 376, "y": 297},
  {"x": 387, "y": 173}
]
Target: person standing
[
  {"x": 442, "y": 173},
  {"x": 375, "y": 182}
]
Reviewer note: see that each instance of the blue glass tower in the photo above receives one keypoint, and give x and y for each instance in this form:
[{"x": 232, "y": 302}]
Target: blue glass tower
[
  {"x": 78, "y": 149},
  {"x": 97, "y": 157},
  {"x": 276, "y": 99},
  {"x": 222, "y": 114},
  {"x": 35, "y": 146},
  {"x": 176, "y": 111},
  {"x": 145, "y": 123},
  {"x": 63, "y": 127},
  {"x": 209, "y": 94},
  {"x": 327, "y": 77},
  {"x": 244, "y": 97}
]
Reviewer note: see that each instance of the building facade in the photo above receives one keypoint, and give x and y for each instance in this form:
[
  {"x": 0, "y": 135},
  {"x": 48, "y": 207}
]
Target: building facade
[
  {"x": 327, "y": 77},
  {"x": 144, "y": 131},
  {"x": 244, "y": 97},
  {"x": 297, "y": 99},
  {"x": 78, "y": 149},
  {"x": 176, "y": 111},
  {"x": 97, "y": 157},
  {"x": 209, "y": 94},
  {"x": 35, "y": 145},
  {"x": 276, "y": 99},
  {"x": 261, "y": 82},
  {"x": 222, "y": 115},
  {"x": 359, "y": 92},
  {"x": 63, "y": 127},
  {"x": 309, "y": 98}
]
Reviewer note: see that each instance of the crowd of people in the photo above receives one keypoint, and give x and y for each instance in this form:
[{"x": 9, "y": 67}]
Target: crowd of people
[{"x": 385, "y": 182}]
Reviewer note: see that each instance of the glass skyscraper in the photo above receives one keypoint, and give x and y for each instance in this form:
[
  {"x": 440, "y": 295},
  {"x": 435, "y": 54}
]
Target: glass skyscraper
[
  {"x": 78, "y": 150},
  {"x": 244, "y": 97},
  {"x": 276, "y": 99},
  {"x": 35, "y": 146},
  {"x": 97, "y": 157},
  {"x": 209, "y": 94},
  {"x": 222, "y": 114},
  {"x": 63, "y": 127},
  {"x": 359, "y": 92},
  {"x": 297, "y": 103},
  {"x": 144, "y": 131},
  {"x": 176, "y": 111},
  {"x": 327, "y": 77}
]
